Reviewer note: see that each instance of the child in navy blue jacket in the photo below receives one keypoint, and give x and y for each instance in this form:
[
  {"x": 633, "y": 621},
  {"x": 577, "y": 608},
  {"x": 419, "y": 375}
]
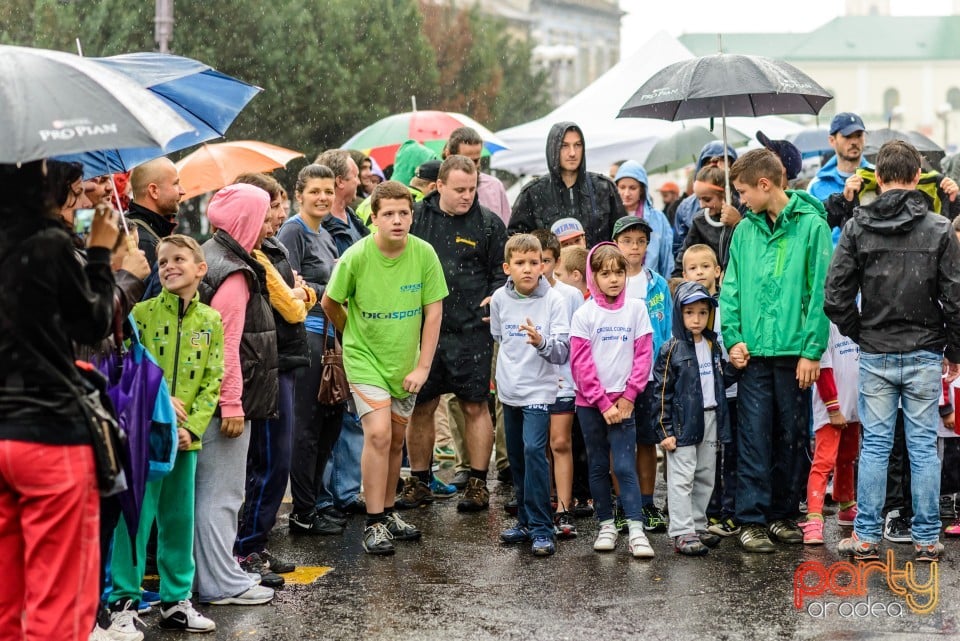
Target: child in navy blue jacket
[{"x": 689, "y": 380}]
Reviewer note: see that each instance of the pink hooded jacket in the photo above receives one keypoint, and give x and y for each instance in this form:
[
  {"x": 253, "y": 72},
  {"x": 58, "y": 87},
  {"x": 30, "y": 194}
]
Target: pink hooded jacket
[
  {"x": 239, "y": 210},
  {"x": 590, "y": 392}
]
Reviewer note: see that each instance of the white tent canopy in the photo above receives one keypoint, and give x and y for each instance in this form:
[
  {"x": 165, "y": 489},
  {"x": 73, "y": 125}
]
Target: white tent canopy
[{"x": 608, "y": 138}]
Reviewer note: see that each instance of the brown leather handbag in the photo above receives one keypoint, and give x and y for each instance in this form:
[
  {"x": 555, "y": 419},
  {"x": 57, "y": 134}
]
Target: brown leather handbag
[{"x": 334, "y": 388}]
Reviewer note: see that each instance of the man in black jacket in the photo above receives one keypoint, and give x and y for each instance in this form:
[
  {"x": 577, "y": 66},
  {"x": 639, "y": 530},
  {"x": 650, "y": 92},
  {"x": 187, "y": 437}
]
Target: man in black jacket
[
  {"x": 569, "y": 191},
  {"x": 153, "y": 210},
  {"x": 904, "y": 261},
  {"x": 469, "y": 240}
]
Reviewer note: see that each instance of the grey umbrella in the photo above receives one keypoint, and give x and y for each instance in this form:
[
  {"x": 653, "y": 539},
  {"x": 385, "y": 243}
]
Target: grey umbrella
[
  {"x": 54, "y": 103},
  {"x": 726, "y": 84},
  {"x": 683, "y": 148},
  {"x": 930, "y": 150}
]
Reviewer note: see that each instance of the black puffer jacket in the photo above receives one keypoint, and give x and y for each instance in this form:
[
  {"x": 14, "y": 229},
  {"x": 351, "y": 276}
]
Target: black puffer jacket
[
  {"x": 904, "y": 260},
  {"x": 292, "y": 347},
  {"x": 593, "y": 199},
  {"x": 258, "y": 344}
]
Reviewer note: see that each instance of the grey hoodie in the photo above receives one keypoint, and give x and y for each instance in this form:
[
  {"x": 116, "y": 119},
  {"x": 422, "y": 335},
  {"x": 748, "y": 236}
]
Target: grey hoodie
[{"x": 528, "y": 375}]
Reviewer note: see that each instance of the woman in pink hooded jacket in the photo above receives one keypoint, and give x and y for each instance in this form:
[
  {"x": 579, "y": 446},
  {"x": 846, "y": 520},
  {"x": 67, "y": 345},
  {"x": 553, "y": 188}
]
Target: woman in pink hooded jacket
[{"x": 613, "y": 330}]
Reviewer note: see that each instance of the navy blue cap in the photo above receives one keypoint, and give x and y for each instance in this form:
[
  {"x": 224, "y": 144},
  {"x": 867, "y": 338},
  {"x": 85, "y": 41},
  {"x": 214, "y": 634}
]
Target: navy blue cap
[
  {"x": 787, "y": 152},
  {"x": 698, "y": 295},
  {"x": 845, "y": 123}
]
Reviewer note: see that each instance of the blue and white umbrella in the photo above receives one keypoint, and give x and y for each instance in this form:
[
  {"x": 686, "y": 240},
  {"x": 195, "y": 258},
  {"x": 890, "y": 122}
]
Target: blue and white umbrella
[{"x": 209, "y": 101}]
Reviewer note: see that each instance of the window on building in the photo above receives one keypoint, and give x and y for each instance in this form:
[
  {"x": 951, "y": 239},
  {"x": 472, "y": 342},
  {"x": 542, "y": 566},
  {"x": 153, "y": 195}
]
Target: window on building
[
  {"x": 953, "y": 98},
  {"x": 891, "y": 99}
]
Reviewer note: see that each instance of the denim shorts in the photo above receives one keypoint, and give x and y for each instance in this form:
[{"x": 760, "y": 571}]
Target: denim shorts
[
  {"x": 562, "y": 406},
  {"x": 643, "y": 414}
]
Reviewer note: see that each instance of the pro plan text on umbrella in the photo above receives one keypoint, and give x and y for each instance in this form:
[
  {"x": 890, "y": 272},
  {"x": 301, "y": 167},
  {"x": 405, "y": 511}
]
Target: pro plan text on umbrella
[{"x": 69, "y": 129}]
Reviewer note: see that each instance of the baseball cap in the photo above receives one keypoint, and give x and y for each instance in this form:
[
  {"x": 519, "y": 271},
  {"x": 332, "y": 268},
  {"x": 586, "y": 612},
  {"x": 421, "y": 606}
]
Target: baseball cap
[
  {"x": 845, "y": 123},
  {"x": 669, "y": 186},
  {"x": 787, "y": 151},
  {"x": 567, "y": 228},
  {"x": 630, "y": 222},
  {"x": 697, "y": 295},
  {"x": 429, "y": 170}
]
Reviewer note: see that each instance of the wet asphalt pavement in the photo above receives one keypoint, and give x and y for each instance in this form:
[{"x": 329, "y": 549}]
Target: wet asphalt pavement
[{"x": 459, "y": 582}]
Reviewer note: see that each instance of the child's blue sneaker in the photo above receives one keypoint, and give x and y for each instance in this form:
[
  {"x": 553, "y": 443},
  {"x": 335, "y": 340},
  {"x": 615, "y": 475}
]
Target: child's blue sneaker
[
  {"x": 148, "y": 597},
  {"x": 442, "y": 490},
  {"x": 543, "y": 546},
  {"x": 515, "y": 534}
]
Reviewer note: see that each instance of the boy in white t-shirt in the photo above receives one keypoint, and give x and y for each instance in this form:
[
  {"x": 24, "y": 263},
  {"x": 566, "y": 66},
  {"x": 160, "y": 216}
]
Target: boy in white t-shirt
[
  {"x": 562, "y": 411},
  {"x": 689, "y": 380},
  {"x": 530, "y": 322}
]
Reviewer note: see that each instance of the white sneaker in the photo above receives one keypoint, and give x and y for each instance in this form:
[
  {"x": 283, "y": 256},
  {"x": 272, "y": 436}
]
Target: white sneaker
[
  {"x": 182, "y": 616},
  {"x": 99, "y": 634},
  {"x": 123, "y": 625},
  {"x": 257, "y": 595},
  {"x": 638, "y": 544},
  {"x": 607, "y": 537}
]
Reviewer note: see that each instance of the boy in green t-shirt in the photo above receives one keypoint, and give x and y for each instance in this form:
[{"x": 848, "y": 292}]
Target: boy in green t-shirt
[
  {"x": 186, "y": 338},
  {"x": 392, "y": 286}
]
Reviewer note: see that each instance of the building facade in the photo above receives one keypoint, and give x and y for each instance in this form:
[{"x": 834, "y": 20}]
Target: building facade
[
  {"x": 575, "y": 40},
  {"x": 901, "y": 72}
]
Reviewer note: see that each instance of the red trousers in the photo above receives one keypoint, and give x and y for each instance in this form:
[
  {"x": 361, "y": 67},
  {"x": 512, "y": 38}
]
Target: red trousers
[
  {"x": 49, "y": 542},
  {"x": 835, "y": 450}
]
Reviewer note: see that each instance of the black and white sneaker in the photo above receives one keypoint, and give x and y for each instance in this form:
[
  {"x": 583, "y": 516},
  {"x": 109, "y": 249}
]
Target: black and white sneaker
[
  {"x": 275, "y": 564},
  {"x": 182, "y": 616},
  {"x": 253, "y": 564},
  {"x": 896, "y": 528}
]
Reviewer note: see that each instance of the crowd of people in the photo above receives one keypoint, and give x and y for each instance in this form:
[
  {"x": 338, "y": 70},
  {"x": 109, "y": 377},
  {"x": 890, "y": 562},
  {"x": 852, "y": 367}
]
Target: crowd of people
[{"x": 773, "y": 343}]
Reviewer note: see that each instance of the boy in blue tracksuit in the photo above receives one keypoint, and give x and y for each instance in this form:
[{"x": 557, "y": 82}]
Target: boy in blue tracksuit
[
  {"x": 632, "y": 235},
  {"x": 530, "y": 321},
  {"x": 692, "y": 417}
]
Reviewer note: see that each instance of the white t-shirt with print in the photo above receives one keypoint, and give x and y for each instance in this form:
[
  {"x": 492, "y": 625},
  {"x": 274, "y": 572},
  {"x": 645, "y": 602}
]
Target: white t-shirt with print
[
  {"x": 706, "y": 373},
  {"x": 611, "y": 333}
]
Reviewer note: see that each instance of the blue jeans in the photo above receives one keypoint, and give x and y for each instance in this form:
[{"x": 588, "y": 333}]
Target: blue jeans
[
  {"x": 602, "y": 440},
  {"x": 913, "y": 380},
  {"x": 341, "y": 477},
  {"x": 774, "y": 417},
  {"x": 527, "y": 431},
  {"x": 268, "y": 470}
]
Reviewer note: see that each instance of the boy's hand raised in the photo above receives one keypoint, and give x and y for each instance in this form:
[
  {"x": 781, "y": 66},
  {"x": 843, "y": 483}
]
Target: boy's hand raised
[
  {"x": 808, "y": 372},
  {"x": 533, "y": 336}
]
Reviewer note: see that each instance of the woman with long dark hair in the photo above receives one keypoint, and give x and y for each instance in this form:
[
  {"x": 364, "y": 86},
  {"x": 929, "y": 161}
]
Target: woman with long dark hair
[{"x": 49, "y": 502}]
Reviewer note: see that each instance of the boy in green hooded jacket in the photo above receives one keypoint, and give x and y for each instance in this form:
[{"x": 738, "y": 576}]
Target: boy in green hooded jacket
[
  {"x": 773, "y": 322},
  {"x": 186, "y": 338}
]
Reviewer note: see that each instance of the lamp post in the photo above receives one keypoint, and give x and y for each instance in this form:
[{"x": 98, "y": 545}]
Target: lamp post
[
  {"x": 943, "y": 112},
  {"x": 163, "y": 25}
]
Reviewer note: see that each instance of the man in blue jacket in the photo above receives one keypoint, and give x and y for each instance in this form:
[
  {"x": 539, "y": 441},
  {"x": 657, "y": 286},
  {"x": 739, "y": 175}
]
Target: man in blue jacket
[{"x": 847, "y": 137}]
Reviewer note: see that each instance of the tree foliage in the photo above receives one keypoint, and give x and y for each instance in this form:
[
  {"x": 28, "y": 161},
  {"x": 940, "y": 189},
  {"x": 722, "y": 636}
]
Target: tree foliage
[{"x": 327, "y": 69}]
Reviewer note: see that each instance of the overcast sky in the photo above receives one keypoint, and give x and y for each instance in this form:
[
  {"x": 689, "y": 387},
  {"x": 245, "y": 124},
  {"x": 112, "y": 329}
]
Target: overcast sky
[{"x": 646, "y": 17}]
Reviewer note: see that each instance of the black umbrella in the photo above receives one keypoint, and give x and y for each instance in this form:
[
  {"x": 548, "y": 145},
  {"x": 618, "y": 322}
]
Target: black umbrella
[
  {"x": 725, "y": 84},
  {"x": 930, "y": 150}
]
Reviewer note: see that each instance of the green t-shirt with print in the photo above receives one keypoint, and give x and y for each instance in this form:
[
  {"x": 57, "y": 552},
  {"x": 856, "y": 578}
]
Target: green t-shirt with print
[{"x": 385, "y": 299}]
